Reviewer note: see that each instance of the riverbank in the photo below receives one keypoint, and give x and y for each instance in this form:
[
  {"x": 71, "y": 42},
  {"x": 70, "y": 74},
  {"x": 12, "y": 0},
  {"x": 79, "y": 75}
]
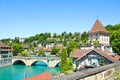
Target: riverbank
[
  {"x": 5, "y": 62},
  {"x": 5, "y": 65}
]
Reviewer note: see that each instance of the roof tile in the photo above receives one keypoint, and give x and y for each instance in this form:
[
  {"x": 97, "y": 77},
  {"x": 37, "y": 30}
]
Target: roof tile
[{"x": 98, "y": 27}]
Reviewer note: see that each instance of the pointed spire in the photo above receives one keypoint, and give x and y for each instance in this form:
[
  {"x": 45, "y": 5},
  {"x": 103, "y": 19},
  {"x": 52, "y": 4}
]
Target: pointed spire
[{"x": 98, "y": 27}]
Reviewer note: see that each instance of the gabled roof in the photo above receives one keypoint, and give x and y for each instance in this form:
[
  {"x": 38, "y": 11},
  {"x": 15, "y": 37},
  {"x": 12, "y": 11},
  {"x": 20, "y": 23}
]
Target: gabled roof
[
  {"x": 44, "y": 76},
  {"x": 79, "y": 53},
  {"x": 98, "y": 27}
]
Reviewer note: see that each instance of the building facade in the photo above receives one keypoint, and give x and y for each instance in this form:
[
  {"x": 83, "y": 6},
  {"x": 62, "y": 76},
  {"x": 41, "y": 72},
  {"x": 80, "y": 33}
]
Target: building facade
[{"x": 5, "y": 51}]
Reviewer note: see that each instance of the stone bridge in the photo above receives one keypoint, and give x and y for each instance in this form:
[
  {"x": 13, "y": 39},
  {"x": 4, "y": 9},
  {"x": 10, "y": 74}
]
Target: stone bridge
[{"x": 28, "y": 61}]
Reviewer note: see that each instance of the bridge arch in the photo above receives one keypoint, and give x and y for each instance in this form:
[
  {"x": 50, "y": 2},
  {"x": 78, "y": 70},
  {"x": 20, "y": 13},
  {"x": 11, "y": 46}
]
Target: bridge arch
[
  {"x": 57, "y": 64},
  {"x": 54, "y": 63},
  {"x": 34, "y": 61},
  {"x": 19, "y": 62}
]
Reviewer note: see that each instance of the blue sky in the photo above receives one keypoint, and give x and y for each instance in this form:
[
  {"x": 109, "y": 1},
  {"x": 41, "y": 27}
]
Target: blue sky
[{"x": 24, "y": 18}]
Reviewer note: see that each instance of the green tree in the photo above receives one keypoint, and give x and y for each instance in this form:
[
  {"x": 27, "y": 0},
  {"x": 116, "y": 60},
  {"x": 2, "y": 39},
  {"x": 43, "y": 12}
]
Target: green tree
[
  {"x": 54, "y": 35},
  {"x": 54, "y": 50},
  {"x": 114, "y": 37},
  {"x": 41, "y": 52},
  {"x": 24, "y": 53},
  {"x": 17, "y": 49},
  {"x": 70, "y": 63},
  {"x": 95, "y": 42},
  {"x": 84, "y": 38},
  {"x": 63, "y": 65},
  {"x": 71, "y": 46},
  {"x": 115, "y": 41},
  {"x": 16, "y": 40}
]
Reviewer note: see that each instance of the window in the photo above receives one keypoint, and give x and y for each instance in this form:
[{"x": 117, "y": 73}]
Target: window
[{"x": 90, "y": 60}]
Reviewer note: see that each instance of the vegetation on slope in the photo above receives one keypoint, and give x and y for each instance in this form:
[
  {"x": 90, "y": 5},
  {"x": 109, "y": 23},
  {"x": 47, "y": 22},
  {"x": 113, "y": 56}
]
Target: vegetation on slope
[{"x": 114, "y": 37}]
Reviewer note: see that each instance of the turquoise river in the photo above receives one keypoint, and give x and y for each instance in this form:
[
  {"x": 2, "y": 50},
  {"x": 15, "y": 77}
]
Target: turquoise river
[{"x": 16, "y": 72}]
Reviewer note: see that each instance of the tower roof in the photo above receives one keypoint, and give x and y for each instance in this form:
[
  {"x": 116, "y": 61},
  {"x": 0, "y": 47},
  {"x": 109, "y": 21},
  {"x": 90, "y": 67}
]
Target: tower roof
[{"x": 98, "y": 27}]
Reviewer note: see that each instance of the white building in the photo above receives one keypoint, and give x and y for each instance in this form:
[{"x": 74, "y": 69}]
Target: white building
[
  {"x": 98, "y": 32},
  {"x": 21, "y": 39}
]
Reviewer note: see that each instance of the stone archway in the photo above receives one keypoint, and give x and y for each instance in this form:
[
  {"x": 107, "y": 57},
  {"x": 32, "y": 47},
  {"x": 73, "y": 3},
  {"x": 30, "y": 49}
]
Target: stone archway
[
  {"x": 34, "y": 61},
  {"x": 19, "y": 62}
]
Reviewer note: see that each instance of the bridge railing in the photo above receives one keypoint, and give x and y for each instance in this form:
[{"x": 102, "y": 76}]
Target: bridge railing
[
  {"x": 48, "y": 57},
  {"x": 82, "y": 74}
]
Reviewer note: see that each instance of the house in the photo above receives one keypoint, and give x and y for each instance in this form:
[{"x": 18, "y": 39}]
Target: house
[
  {"x": 38, "y": 48},
  {"x": 26, "y": 47},
  {"x": 59, "y": 45},
  {"x": 48, "y": 51},
  {"x": 50, "y": 45},
  {"x": 92, "y": 58},
  {"x": 93, "y": 55},
  {"x": 21, "y": 39},
  {"x": 5, "y": 51}
]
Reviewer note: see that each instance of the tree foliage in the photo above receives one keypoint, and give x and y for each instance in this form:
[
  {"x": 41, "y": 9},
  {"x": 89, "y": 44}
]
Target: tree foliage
[
  {"x": 17, "y": 49},
  {"x": 95, "y": 42},
  {"x": 54, "y": 50},
  {"x": 114, "y": 37},
  {"x": 71, "y": 46},
  {"x": 84, "y": 38},
  {"x": 63, "y": 65},
  {"x": 24, "y": 53},
  {"x": 41, "y": 52},
  {"x": 70, "y": 63}
]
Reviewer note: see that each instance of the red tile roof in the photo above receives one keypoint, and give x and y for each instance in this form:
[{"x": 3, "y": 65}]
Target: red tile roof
[
  {"x": 5, "y": 47},
  {"x": 44, "y": 76},
  {"x": 79, "y": 52},
  {"x": 98, "y": 27},
  {"x": 117, "y": 57}
]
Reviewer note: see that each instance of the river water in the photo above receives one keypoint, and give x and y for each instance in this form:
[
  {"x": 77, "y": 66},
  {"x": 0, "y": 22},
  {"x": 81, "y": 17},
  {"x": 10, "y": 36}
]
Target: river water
[{"x": 16, "y": 72}]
